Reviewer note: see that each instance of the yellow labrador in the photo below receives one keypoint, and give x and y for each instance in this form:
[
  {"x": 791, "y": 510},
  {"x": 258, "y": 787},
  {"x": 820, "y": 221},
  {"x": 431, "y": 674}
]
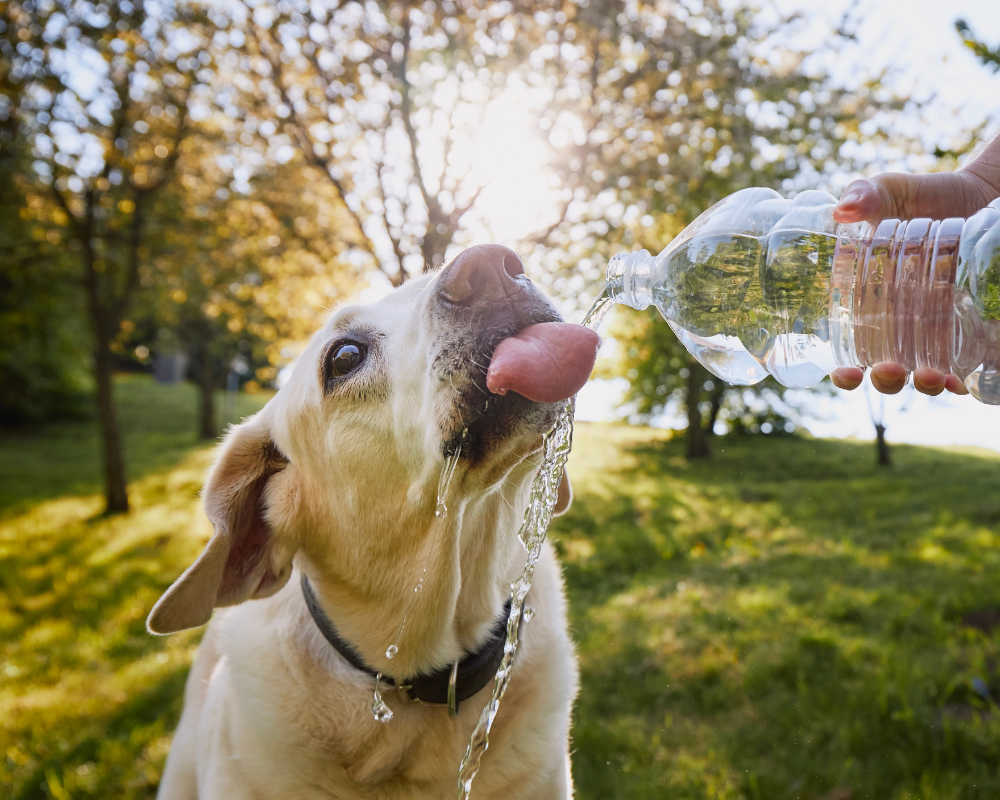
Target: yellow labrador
[{"x": 324, "y": 513}]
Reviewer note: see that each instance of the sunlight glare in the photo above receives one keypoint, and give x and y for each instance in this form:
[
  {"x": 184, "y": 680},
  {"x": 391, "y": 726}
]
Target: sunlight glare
[{"x": 511, "y": 160}]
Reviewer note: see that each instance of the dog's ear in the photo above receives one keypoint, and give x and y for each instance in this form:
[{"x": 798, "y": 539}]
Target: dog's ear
[
  {"x": 243, "y": 560},
  {"x": 565, "y": 497}
]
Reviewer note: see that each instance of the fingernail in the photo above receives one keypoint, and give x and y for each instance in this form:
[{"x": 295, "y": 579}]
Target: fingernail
[{"x": 847, "y": 199}]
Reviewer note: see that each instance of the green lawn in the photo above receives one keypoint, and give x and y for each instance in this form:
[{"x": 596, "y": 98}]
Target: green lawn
[
  {"x": 87, "y": 698},
  {"x": 785, "y": 621}
]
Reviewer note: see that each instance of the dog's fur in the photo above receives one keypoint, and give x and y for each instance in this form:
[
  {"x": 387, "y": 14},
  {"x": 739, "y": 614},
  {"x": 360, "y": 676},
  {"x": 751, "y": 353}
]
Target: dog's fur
[{"x": 338, "y": 479}]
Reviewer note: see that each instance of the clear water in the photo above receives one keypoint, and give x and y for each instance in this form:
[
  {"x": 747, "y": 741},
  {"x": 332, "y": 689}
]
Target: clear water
[
  {"x": 380, "y": 710},
  {"x": 542, "y": 500},
  {"x": 746, "y": 305},
  {"x": 447, "y": 472}
]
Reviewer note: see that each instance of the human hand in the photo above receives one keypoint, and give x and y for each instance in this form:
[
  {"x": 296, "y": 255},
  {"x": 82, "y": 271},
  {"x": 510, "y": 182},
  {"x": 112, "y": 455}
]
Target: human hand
[{"x": 937, "y": 196}]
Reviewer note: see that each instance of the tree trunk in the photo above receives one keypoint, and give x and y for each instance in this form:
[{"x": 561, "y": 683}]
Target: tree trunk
[
  {"x": 718, "y": 392},
  {"x": 697, "y": 440},
  {"x": 103, "y": 324},
  {"x": 116, "y": 493},
  {"x": 882, "y": 445},
  {"x": 207, "y": 428}
]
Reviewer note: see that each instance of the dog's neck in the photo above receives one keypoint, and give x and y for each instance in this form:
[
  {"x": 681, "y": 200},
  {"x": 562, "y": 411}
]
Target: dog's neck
[{"x": 470, "y": 556}]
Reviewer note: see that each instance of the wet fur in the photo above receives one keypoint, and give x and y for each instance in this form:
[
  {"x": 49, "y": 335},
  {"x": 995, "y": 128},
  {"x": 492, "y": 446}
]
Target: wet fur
[{"x": 338, "y": 479}]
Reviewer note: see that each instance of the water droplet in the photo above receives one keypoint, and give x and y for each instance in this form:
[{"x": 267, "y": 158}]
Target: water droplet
[
  {"x": 447, "y": 471},
  {"x": 380, "y": 711},
  {"x": 529, "y": 613},
  {"x": 418, "y": 588},
  {"x": 391, "y": 651}
]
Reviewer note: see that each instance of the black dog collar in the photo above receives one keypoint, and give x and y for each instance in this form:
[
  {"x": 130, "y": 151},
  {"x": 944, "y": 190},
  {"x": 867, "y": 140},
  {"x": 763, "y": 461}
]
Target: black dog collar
[{"x": 465, "y": 678}]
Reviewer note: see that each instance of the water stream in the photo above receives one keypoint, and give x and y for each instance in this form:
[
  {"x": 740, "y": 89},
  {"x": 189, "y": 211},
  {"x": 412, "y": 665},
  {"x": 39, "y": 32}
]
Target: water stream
[{"x": 544, "y": 492}]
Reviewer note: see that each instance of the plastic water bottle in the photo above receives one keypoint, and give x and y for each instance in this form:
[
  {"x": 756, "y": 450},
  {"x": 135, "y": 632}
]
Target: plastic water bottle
[{"x": 760, "y": 284}]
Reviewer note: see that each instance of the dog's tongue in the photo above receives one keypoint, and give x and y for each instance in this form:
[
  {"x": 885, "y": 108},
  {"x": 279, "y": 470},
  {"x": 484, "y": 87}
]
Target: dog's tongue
[{"x": 546, "y": 363}]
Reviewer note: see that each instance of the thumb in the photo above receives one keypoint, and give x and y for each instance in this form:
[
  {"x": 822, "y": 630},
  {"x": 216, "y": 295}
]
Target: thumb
[
  {"x": 894, "y": 195},
  {"x": 860, "y": 201}
]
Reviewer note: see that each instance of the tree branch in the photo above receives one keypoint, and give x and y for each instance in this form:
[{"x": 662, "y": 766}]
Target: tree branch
[
  {"x": 398, "y": 279},
  {"x": 406, "y": 109},
  {"x": 309, "y": 152}
]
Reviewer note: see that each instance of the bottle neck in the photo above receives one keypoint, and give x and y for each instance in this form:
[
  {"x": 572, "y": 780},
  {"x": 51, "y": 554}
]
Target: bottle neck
[{"x": 630, "y": 279}]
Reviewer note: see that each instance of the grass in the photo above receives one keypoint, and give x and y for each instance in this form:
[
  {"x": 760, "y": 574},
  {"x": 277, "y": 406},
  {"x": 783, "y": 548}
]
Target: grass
[
  {"x": 785, "y": 621},
  {"x": 87, "y": 698}
]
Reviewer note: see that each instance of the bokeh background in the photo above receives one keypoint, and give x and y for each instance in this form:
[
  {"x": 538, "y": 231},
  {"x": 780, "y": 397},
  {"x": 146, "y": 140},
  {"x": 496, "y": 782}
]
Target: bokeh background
[{"x": 766, "y": 604}]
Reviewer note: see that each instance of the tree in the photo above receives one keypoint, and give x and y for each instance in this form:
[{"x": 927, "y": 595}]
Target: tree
[
  {"x": 878, "y": 422},
  {"x": 106, "y": 101},
  {"x": 236, "y": 269},
  {"x": 659, "y": 112},
  {"x": 40, "y": 334},
  {"x": 384, "y": 100}
]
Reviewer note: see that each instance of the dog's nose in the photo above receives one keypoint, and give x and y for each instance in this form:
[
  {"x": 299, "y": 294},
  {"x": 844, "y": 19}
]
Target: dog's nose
[{"x": 483, "y": 273}]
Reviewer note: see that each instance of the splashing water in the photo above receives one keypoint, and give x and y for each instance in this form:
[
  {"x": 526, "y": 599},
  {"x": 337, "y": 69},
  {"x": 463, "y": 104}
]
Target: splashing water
[
  {"x": 447, "y": 471},
  {"x": 544, "y": 491},
  {"x": 542, "y": 500}
]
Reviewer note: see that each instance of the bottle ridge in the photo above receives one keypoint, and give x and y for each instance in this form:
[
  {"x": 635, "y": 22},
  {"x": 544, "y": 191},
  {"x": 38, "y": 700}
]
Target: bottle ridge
[{"x": 760, "y": 285}]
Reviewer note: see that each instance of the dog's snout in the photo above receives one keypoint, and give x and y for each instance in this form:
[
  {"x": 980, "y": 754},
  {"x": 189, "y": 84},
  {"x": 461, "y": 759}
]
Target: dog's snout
[{"x": 481, "y": 274}]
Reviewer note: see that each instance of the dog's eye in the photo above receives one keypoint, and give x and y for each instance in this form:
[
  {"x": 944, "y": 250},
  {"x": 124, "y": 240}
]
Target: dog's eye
[{"x": 344, "y": 358}]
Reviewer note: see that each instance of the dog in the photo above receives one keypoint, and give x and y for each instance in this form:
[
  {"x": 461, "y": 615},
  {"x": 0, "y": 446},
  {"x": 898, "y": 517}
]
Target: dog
[{"x": 324, "y": 507}]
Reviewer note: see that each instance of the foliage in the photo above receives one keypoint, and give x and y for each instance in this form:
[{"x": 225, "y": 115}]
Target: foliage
[
  {"x": 237, "y": 274},
  {"x": 43, "y": 342},
  {"x": 990, "y": 56},
  {"x": 385, "y": 101},
  {"x": 791, "y": 621}
]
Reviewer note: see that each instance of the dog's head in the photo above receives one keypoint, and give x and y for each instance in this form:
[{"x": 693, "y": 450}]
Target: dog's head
[{"x": 343, "y": 464}]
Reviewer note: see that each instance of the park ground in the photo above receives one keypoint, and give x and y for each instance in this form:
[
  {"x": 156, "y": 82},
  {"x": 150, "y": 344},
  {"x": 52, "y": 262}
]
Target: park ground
[{"x": 785, "y": 621}]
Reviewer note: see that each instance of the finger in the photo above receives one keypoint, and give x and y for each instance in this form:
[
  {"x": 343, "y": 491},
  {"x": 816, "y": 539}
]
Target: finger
[
  {"x": 861, "y": 200},
  {"x": 848, "y": 378},
  {"x": 954, "y": 385},
  {"x": 888, "y": 378},
  {"x": 929, "y": 381},
  {"x": 936, "y": 196}
]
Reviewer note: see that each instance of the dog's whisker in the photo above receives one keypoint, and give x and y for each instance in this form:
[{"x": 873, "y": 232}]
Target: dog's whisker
[{"x": 500, "y": 492}]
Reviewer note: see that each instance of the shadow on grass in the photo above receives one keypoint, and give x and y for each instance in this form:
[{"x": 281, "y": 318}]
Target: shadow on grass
[
  {"x": 88, "y": 699},
  {"x": 158, "y": 427},
  {"x": 118, "y": 754},
  {"x": 783, "y": 621}
]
